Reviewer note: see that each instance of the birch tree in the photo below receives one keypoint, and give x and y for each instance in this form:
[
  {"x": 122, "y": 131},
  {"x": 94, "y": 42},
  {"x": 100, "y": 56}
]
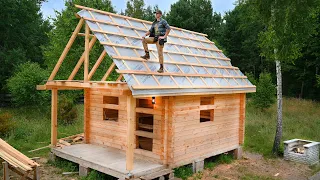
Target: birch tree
[{"x": 287, "y": 24}]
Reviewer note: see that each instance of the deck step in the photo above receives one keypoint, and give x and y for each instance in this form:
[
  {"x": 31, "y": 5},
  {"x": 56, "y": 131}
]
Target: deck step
[{"x": 156, "y": 174}]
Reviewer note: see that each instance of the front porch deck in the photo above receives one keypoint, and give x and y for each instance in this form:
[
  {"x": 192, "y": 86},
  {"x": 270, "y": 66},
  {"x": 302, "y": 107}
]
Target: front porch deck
[{"x": 107, "y": 160}]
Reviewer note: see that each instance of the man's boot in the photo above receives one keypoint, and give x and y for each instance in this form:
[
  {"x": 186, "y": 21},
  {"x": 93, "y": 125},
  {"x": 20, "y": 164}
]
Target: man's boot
[
  {"x": 146, "y": 56},
  {"x": 161, "y": 69}
]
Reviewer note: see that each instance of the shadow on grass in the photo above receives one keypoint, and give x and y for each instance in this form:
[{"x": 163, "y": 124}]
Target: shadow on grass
[{"x": 68, "y": 166}]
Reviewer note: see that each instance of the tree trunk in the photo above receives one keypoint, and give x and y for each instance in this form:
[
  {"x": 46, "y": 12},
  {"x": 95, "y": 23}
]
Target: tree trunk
[
  {"x": 277, "y": 139},
  {"x": 302, "y": 84}
]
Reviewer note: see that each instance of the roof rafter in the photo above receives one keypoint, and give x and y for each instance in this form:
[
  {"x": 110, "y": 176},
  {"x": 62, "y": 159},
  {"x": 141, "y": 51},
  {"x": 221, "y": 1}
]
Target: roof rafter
[{"x": 191, "y": 61}]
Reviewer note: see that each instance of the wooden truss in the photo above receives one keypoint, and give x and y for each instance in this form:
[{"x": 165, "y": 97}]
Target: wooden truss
[{"x": 191, "y": 54}]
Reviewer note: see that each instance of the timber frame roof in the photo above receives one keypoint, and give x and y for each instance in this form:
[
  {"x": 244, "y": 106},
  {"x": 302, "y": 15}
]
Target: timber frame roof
[{"x": 193, "y": 64}]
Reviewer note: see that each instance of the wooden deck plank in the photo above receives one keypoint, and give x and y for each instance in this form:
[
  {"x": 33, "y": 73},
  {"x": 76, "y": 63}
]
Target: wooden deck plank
[{"x": 108, "y": 160}]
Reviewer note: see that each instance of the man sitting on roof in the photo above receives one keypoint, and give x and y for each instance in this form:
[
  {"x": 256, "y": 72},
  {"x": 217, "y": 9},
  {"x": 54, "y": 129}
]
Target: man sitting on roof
[{"x": 158, "y": 35}]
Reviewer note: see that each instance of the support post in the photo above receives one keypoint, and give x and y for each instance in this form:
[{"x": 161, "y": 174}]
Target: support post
[
  {"x": 237, "y": 153},
  {"x": 54, "y": 116},
  {"x": 66, "y": 49},
  {"x": 86, "y": 115},
  {"x": 5, "y": 171},
  {"x": 83, "y": 171},
  {"x": 86, "y": 57},
  {"x": 165, "y": 129},
  {"x": 131, "y": 117},
  {"x": 36, "y": 175},
  {"x": 52, "y": 157},
  {"x": 242, "y": 118},
  {"x": 198, "y": 165}
]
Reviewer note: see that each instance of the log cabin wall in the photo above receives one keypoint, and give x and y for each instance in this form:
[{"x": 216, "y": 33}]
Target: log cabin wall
[
  {"x": 185, "y": 128},
  {"x": 106, "y": 120},
  {"x": 205, "y": 126}
]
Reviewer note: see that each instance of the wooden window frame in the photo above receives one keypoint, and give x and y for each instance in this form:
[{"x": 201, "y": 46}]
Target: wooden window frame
[
  {"x": 207, "y": 104},
  {"x": 110, "y": 105}
]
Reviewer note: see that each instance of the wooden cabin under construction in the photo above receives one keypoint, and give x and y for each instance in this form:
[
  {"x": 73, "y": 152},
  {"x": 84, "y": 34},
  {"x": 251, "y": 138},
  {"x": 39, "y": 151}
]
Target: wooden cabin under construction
[{"x": 146, "y": 123}]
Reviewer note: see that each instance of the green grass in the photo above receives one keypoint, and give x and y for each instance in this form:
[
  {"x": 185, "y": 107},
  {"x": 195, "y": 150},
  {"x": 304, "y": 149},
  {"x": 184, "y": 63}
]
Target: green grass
[
  {"x": 33, "y": 129},
  {"x": 64, "y": 165},
  {"x": 183, "y": 172},
  {"x": 67, "y": 166},
  {"x": 96, "y": 175},
  {"x": 301, "y": 119},
  {"x": 212, "y": 162}
]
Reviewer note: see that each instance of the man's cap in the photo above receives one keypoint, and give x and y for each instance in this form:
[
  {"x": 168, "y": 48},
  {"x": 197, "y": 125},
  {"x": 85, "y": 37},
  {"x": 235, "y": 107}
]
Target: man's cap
[{"x": 158, "y": 11}]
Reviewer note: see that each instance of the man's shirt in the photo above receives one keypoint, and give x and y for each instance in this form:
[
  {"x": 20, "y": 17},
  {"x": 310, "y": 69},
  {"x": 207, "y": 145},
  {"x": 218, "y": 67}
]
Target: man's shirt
[{"x": 159, "y": 28}]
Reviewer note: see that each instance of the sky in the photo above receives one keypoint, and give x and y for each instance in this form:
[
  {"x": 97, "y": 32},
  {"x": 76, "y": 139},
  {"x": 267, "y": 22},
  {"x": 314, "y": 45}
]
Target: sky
[{"x": 50, "y": 6}]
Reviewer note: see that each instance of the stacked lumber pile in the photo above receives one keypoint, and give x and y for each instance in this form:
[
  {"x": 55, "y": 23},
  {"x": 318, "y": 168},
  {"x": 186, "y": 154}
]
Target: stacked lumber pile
[
  {"x": 67, "y": 141},
  {"x": 17, "y": 161}
]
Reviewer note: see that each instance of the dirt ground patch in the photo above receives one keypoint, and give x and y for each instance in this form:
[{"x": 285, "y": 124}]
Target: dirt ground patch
[
  {"x": 51, "y": 172},
  {"x": 251, "y": 167},
  {"x": 254, "y": 166}
]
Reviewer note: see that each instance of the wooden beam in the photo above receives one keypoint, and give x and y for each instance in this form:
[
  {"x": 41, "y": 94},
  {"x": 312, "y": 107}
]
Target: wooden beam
[
  {"x": 86, "y": 56},
  {"x": 36, "y": 174},
  {"x": 149, "y": 111},
  {"x": 142, "y": 29},
  {"x": 135, "y": 19},
  {"x": 82, "y": 85},
  {"x": 166, "y": 51},
  {"x": 54, "y": 116},
  {"x": 45, "y": 87},
  {"x": 144, "y": 134},
  {"x": 137, "y": 37},
  {"x": 5, "y": 171},
  {"x": 20, "y": 173},
  {"x": 175, "y": 62},
  {"x": 208, "y": 107},
  {"x": 131, "y": 127},
  {"x": 196, "y": 93},
  {"x": 176, "y": 74},
  {"x": 86, "y": 115},
  {"x": 12, "y": 152},
  {"x": 189, "y": 87},
  {"x": 83, "y": 34},
  {"x": 165, "y": 130},
  {"x": 212, "y": 110},
  {"x": 119, "y": 78},
  {"x": 80, "y": 61},
  {"x": 145, "y": 126},
  {"x": 41, "y": 87},
  {"x": 66, "y": 49},
  {"x": 108, "y": 71},
  {"x": 97, "y": 64}
]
